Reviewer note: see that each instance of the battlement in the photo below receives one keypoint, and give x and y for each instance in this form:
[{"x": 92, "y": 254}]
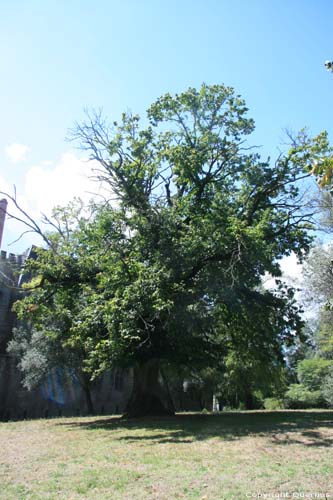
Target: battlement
[
  {"x": 12, "y": 258},
  {"x": 11, "y": 267},
  {"x": 16, "y": 260}
]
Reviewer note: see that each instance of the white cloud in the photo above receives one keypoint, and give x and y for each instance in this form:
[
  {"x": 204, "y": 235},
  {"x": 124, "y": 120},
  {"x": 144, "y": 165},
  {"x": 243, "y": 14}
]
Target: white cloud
[
  {"x": 47, "y": 185},
  {"x": 291, "y": 272},
  {"x": 291, "y": 269},
  {"x": 4, "y": 187},
  {"x": 17, "y": 152}
]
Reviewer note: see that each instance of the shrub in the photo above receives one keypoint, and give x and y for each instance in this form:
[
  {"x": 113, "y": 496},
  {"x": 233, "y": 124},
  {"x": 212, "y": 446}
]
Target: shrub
[
  {"x": 299, "y": 397},
  {"x": 327, "y": 389},
  {"x": 311, "y": 372},
  {"x": 273, "y": 404}
]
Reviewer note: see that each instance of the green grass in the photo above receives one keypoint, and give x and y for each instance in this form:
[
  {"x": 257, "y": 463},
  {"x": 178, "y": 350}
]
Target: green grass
[{"x": 231, "y": 455}]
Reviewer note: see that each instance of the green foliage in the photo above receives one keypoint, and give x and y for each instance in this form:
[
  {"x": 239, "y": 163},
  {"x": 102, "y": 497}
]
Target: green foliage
[
  {"x": 324, "y": 335},
  {"x": 173, "y": 270},
  {"x": 202, "y": 383},
  {"x": 39, "y": 352},
  {"x": 303, "y": 348},
  {"x": 316, "y": 154},
  {"x": 315, "y": 387},
  {"x": 298, "y": 397},
  {"x": 273, "y": 404},
  {"x": 249, "y": 377},
  {"x": 313, "y": 391},
  {"x": 311, "y": 372},
  {"x": 32, "y": 349},
  {"x": 327, "y": 388},
  {"x": 315, "y": 374},
  {"x": 318, "y": 277}
]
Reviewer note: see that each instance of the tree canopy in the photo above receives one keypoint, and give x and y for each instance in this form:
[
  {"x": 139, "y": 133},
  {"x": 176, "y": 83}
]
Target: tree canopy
[{"x": 169, "y": 267}]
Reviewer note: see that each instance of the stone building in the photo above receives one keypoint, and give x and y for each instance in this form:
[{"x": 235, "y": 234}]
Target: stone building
[{"x": 7, "y": 298}]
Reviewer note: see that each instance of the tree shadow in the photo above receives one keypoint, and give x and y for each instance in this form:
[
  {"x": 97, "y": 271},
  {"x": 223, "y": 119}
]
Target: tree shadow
[
  {"x": 281, "y": 427},
  {"x": 306, "y": 438}
]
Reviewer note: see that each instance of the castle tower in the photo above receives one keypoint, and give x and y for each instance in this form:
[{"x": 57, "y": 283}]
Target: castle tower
[{"x": 3, "y": 210}]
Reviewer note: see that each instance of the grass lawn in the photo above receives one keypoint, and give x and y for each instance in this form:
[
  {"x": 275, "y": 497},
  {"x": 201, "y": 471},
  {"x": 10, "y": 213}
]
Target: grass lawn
[{"x": 232, "y": 455}]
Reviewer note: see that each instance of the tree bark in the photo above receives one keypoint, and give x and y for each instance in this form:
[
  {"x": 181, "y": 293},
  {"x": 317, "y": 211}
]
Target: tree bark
[
  {"x": 86, "y": 387},
  {"x": 149, "y": 396},
  {"x": 89, "y": 402},
  {"x": 248, "y": 401}
]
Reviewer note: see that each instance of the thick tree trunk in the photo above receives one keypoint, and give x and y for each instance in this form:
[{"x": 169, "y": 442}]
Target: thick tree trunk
[
  {"x": 86, "y": 387},
  {"x": 149, "y": 394},
  {"x": 248, "y": 401},
  {"x": 89, "y": 402}
]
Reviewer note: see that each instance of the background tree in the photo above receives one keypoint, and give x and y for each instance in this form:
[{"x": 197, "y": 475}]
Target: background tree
[
  {"x": 327, "y": 388},
  {"x": 313, "y": 389},
  {"x": 311, "y": 372},
  {"x": 318, "y": 293},
  {"x": 318, "y": 276},
  {"x": 314, "y": 368},
  {"x": 324, "y": 334},
  {"x": 172, "y": 272},
  {"x": 303, "y": 348},
  {"x": 315, "y": 372},
  {"x": 329, "y": 65}
]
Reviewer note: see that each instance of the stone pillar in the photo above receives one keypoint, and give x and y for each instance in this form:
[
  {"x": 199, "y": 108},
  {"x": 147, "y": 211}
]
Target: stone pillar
[
  {"x": 3, "y": 210},
  {"x": 216, "y": 404}
]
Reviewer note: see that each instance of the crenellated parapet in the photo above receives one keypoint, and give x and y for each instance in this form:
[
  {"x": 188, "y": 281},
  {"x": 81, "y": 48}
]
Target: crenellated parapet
[
  {"x": 11, "y": 265},
  {"x": 12, "y": 258}
]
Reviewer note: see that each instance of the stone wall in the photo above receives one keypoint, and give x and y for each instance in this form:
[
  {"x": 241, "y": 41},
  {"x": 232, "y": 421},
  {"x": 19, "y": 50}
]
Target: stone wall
[
  {"x": 59, "y": 395},
  {"x": 8, "y": 295}
]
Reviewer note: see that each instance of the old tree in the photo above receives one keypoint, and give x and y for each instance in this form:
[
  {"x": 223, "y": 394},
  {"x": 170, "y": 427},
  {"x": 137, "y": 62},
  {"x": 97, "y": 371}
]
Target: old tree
[{"x": 169, "y": 270}]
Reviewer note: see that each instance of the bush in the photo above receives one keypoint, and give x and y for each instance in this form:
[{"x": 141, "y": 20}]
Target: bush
[
  {"x": 258, "y": 400},
  {"x": 299, "y": 397},
  {"x": 273, "y": 404},
  {"x": 311, "y": 372},
  {"x": 327, "y": 389}
]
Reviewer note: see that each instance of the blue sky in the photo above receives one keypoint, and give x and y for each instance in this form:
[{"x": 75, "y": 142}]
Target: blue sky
[{"x": 59, "y": 57}]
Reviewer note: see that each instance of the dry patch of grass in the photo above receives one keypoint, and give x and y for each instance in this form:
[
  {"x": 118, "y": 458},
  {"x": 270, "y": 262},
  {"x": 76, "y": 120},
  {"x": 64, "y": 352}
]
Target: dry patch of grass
[{"x": 232, "y": 455}]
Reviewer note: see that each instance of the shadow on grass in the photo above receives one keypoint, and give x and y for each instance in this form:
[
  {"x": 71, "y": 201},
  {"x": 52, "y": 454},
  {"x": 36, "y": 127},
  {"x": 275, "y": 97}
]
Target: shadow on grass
[{"x": 282, "y": 427}]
